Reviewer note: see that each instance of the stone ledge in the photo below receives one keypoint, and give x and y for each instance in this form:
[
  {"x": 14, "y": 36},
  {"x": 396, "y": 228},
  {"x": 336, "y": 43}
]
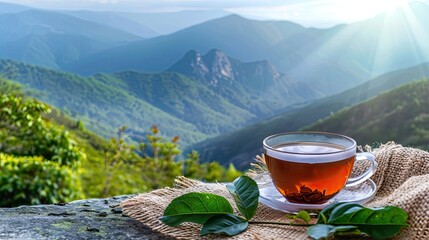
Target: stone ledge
[{"x": 83, "y": 219}]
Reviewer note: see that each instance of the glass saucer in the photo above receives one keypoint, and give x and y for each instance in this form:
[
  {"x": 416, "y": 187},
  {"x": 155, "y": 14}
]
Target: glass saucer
[{"x": 269, "y": 195}]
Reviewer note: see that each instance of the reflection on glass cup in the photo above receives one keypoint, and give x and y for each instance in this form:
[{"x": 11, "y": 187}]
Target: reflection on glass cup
[{"x": 312, "y": 167}]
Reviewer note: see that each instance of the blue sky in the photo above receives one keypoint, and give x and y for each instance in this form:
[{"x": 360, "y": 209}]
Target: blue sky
[{"x": 320, "y": 13}]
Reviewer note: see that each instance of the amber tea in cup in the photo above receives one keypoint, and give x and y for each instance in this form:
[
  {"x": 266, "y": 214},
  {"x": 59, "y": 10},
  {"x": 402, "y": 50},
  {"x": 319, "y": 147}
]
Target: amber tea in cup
[{"x": 312, "y": 167}]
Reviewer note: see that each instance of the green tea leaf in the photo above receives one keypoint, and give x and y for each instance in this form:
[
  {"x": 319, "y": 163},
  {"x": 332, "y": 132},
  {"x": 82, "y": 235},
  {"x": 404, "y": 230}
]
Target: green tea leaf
[
  {"x": 323, "y": 231},
  {"x": 229, "y": 224},
  {"x": 379, "y": 223},
  {"x": 343, "y": 209},
  {"x": 246, "y": 194},
  {"x": 195, "y": 207},
  {"x": 303, "y": 215},
  {"x": 326, "y": 212}
]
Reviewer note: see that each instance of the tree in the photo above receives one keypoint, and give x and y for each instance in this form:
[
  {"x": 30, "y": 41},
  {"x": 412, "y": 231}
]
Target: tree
[
  {"x": 154, "y": 164},
  {"x": 118, "y": 154}
]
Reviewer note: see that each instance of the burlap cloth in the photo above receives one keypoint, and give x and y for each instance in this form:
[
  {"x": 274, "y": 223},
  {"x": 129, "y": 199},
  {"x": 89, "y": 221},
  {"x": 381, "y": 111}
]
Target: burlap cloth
[{"x": 402, "y": 178}]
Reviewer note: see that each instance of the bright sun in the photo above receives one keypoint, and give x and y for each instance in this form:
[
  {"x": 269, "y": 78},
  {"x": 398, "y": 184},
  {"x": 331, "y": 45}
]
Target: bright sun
[
  {"x": 356, "y": 10},
  {"x": 384, "y": 5}
]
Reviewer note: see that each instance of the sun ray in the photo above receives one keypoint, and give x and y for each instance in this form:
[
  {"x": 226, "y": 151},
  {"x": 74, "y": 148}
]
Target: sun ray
[
  {"x": 417, "y": 32},
  {"x": 392, "y": 40},
  {"x": 402, "y": 42},
  {"x": 329, "y": 48}
]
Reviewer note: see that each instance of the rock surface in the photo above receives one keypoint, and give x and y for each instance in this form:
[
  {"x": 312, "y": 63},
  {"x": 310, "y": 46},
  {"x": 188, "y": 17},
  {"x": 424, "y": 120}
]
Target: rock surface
[{"x": 83, "y": 219}]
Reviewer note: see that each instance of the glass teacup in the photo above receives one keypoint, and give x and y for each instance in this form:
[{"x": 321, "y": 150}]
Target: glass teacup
[{"x": 312, "y": 167}]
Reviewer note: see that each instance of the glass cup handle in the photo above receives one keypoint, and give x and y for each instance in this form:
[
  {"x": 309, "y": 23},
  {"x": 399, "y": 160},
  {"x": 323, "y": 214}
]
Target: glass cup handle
[{"x": 368, "y": 173}]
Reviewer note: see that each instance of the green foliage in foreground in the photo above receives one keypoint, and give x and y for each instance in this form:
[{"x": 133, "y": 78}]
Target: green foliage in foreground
[
  {"x": 214, "y": 212},
  {"x": 33, "y": 180},
  {"x": 355, "y": 219}
]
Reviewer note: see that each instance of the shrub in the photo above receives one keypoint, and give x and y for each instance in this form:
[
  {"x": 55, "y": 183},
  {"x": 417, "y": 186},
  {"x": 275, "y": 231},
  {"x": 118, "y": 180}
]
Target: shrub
[
  {"x": 33, "y": 180},
  {"x": 24, "y": 132}
]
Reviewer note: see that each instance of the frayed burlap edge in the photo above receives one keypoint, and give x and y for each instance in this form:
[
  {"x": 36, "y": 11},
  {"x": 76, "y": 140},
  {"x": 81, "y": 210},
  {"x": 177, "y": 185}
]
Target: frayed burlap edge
[{"x": 402, "y": 178}]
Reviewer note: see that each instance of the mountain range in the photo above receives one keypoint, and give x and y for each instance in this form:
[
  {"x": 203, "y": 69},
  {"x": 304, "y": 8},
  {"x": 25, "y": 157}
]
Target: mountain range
[
  {"x": 332, "y": 59},
  {"x": 53, "y": 39},
  {"x": 258, "y": 40},
  {"x": 142, "y": 24},
  {"x": 115, "y": 20},
  {"x": 176, "y": 20},
  {"x": 234, "y": 79},
  {"x": 200, "y": 96}
]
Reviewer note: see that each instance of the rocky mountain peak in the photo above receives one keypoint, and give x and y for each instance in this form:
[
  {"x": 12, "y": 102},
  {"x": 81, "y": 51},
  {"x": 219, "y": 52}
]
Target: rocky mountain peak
[
  {"x": 198, "y": 67},
  {"x": 214, "y": 54},
  {"x": 190, "y": 64},
  {"x": 219, "y": 64},
  {"x": 216, "y": 67}
]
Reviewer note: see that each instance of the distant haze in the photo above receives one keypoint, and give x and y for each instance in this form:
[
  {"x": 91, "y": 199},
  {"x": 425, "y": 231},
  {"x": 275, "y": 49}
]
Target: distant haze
[{"x": 315, "y": 13}]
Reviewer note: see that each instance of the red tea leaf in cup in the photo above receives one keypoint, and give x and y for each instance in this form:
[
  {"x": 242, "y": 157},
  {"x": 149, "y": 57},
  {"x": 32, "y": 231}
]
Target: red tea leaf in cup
[{"x": 309, "y": 196}]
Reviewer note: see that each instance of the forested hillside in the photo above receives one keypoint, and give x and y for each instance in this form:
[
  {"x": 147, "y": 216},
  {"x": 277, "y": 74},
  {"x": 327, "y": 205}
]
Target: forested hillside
[
  {"x": 97, "y": 101},
  {"x": 400, "y": 115}
]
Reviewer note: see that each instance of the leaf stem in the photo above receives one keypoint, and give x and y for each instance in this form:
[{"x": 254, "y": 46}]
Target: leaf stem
[{"x": 282, "y": 223}]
